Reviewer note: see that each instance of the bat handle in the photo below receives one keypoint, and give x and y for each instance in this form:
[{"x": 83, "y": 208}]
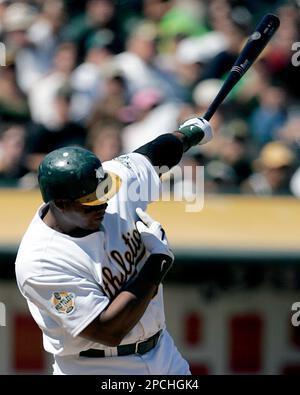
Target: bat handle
[
  {"x": 227, "y": 86},
  {"x": 210, "y": 112}
]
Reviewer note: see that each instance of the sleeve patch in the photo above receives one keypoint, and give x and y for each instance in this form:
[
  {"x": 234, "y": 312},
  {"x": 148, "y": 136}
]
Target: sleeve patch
[{"x": 63, "y": 302}]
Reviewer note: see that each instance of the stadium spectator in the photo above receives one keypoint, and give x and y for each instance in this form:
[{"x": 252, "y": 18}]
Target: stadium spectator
[
  {"x": 269, "y": 116},
  {"x": 66, "y": 132},
  {"x": 13, "y": 104},
  {"x": 139, "y": 63},
  {"x": 152, "y": 117},
  {"x": 115, "y": 96},
  {"x": 232, "y": 165},
  {"x": 274, "y": 171},
  {"x": 98, "y": 18},
  {"x": 42, "y": 95},
  {"x": 12, "y": 144},
  {"x": 104, "y": 139},
  {"x": 88, "y": 81}
]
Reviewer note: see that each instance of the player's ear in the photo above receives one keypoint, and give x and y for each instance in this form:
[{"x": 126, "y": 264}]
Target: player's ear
[{"x": 61, "y": 204}]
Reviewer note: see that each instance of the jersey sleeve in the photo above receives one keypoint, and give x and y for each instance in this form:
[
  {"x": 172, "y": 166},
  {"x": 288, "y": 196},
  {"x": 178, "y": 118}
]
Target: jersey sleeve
[
  {"x": 71, "y": 302},
  {"x": 140, "y": 181}
]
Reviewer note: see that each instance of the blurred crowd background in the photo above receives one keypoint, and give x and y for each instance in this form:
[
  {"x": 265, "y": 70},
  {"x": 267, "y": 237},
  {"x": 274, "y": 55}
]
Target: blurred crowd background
[{"x": 113, "y": 75}]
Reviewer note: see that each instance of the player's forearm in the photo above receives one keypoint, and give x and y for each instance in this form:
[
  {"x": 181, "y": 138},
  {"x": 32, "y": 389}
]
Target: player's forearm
[
  {"x": 182, "y": 139},
  {"x": 128, "y": 307},
  {"x": 122, "y": 314},
  {"x": 163, "y": 152},
  {"x": 167, "y": 149}
]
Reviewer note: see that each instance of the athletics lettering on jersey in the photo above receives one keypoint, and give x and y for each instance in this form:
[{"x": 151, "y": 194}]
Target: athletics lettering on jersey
[{"x": 127, "y": 263}]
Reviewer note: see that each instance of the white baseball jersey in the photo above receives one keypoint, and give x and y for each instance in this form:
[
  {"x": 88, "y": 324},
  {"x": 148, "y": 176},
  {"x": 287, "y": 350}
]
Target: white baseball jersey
[{"x": 69, "y": 281}]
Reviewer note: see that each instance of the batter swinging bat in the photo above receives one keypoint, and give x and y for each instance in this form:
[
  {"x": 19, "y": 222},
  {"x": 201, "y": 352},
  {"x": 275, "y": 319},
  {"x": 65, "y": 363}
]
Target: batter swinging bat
[{"x": 254, "y": 46}]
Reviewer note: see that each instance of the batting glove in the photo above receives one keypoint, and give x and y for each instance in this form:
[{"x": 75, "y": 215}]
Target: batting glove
[
  {"x": 152, "y": 234},
  {"x": 196, "y": 131},
  {"x": 155, "y": 240}
]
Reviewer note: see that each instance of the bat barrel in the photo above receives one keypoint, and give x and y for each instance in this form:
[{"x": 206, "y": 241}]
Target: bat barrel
[{"x": 254, "y": 46}]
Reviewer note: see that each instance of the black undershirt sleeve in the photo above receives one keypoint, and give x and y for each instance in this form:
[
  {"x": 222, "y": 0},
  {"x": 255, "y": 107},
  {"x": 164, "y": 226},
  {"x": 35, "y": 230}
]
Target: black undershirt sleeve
[{"x": 165, "y": 150}]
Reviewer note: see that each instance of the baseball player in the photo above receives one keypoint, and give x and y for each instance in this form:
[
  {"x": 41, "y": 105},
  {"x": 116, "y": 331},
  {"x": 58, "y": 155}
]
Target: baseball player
[{"x": 92, "y": 261}]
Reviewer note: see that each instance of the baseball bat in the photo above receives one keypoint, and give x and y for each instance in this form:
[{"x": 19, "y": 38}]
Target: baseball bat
[{"x": 253, "y": 47}]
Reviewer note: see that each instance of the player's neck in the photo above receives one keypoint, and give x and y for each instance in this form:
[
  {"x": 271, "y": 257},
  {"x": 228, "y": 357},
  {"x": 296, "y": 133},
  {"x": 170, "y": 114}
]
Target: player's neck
[{"x": 58, "y": 223}]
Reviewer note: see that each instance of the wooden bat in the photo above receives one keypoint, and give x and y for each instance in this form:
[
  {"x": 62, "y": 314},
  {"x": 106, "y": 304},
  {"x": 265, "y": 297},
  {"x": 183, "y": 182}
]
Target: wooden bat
[{"x": 253, "y": 47}]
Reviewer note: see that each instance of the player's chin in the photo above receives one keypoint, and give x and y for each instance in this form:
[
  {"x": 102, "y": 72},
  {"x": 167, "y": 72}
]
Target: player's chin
[{"x": 95, "y": 223}]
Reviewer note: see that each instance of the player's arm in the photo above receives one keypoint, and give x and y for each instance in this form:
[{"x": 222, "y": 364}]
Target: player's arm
[
  {"x": 124, "y": 312},
  {"x": 121, "y": 315},
  {"x": 167, "y": 149}
]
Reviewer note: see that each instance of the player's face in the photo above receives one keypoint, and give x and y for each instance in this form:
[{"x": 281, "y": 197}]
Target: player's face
[{"x": 86, "y": 217}]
